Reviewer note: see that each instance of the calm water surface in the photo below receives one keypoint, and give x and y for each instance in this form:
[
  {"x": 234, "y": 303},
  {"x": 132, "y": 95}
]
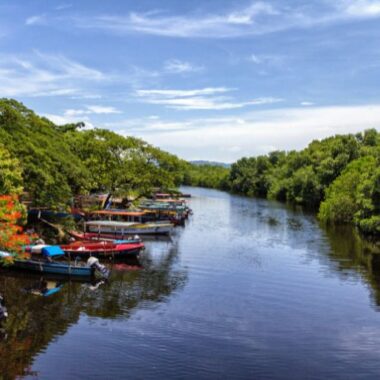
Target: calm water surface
[{"x": 247, "y": 290}]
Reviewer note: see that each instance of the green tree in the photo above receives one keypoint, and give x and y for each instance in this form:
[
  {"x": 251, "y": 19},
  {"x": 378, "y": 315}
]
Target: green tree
[
  {"x": 10, "y": 173},
  {"x": 354, "y": 196}
]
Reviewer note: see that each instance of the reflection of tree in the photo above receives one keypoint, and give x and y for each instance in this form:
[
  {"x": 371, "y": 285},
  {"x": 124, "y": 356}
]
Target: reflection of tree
[
  {"x": 34, "y": 321},
  {"x": 345, "y": 252},
  {"x": 350, "y": 252}
]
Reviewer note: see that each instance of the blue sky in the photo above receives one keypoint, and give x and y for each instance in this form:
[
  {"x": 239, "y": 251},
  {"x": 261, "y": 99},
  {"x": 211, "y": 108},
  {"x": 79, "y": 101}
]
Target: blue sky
[{"x": 213, "y": 79}]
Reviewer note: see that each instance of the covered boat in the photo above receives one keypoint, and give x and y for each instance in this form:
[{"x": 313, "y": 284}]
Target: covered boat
[
  {"x": 121, "y": 229},
  {"x": 138, "y": 216}
]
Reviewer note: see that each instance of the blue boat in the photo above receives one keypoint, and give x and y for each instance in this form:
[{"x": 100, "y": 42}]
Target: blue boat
[{"x": 46, "y": 265}]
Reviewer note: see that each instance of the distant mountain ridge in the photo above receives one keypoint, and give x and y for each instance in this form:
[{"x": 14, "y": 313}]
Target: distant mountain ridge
[{"x": 213, "y": 163}]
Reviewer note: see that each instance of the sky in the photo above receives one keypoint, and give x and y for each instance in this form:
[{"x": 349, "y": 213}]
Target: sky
[{"x": 206, "y": 80}]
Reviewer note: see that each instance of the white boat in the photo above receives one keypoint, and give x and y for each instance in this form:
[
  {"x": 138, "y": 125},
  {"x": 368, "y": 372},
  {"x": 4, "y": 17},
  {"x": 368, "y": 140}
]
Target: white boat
[{"x": 110, "y": 227}]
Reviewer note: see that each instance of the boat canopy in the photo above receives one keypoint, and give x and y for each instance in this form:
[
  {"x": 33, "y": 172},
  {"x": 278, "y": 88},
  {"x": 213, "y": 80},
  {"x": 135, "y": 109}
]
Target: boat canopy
[
  {"x": 119, "y": 212},
  {"x": 52, "y": 250}
]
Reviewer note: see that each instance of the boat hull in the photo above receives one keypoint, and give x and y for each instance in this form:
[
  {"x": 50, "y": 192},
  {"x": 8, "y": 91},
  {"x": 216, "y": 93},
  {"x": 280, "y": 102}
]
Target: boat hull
[
  {"x": 103, "y": 250},
  {"x": 119, "y": 230},
  {"x": 53, "y": 268}
]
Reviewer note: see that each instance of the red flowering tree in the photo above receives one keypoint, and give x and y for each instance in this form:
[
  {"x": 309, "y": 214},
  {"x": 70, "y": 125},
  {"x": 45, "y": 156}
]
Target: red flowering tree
[{"x": 12, "y": 238}]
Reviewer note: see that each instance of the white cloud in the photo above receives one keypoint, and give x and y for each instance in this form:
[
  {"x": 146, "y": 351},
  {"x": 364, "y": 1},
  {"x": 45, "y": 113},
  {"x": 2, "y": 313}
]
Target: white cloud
[
  {"x": 246, "y": 16},
  {"x": 62, "y": 7},
  {"x": 306, "y": 104},
  {"x": 211, "y": 103},
  {"x": 103, "y": 110},
  {"x": 256, "y": 19},
  {"x": 94, "y": 109},
  {"x": 35, "y": 20},
  {"x": 183, "y": 93},
  {"x": 198, "y": 99},
  {"x": 70, "y": 68},
  {"x": 217, "y": 138},
  {"x": 235, "y": 23},
  {"x": 361, "y": 8},
  {"x": 175, "y": 66},
  {"x": 267, "y": 59},
  {"x": 61, "y": 120},
  {"x": 45, "y": 75},
  {"x": 255, "y": 59}
]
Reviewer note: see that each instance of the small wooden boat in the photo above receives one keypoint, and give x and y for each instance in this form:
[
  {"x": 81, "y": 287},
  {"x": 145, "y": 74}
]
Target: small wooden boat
[
  {"x": 121, "y": 229},
  {"x": 164, "y": 205},
  {"x": 87, "y": 237},
  {"x": 46, "y": 265},
  {"x": 103, "y": 249}
]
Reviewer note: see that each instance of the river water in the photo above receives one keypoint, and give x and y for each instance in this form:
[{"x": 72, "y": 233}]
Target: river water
[{"x": 249, "y": 289}]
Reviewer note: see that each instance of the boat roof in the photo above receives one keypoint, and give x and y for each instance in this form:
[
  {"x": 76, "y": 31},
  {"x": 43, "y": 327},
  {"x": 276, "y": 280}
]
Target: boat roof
[
  {"x": 119, "y": 212},
  {"x": 170, "y": 200},
  {"x": 109, "y": 223}
]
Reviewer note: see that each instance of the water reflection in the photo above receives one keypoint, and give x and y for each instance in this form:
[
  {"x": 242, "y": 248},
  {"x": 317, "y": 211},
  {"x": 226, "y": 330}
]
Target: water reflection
[
  {"x": 249, "y": 289},
  {"x": 35, "y": 320},
  {"x": 44, "y": 288},
  {"x": 339, "y": 248},
  {"x": 353, "y": 256}
]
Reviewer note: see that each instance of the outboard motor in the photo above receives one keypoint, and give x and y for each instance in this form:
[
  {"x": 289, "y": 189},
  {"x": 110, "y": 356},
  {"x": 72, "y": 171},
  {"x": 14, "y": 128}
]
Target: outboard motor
[
  {"x": 3, "y": 309},
  {"x": 93, "y": 262}
]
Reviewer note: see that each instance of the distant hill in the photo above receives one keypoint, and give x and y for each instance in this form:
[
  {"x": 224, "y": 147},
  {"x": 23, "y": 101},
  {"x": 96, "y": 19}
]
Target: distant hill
[{"x": 213, "y": 163}]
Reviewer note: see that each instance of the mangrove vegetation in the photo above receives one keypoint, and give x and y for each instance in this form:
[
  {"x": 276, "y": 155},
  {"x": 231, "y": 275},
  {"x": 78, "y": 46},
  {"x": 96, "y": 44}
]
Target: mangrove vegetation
[{"x": 338, "y": 176}]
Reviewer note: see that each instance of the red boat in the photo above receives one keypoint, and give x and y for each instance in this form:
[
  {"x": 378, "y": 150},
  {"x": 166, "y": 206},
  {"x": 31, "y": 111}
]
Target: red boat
[
  {"x": 89, "y": 237},
  {"x": 102, "y": 249}
]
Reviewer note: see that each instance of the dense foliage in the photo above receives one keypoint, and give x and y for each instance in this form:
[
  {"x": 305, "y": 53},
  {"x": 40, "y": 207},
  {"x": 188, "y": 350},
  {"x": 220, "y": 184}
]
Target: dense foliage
[
  {"x": 52, "y": 163},
  {"x": 123, "y": 164},
  {"x": 10, "y": 173},
  {"x": 206, "y": 175},
  {"x": 339, "y": 174}
]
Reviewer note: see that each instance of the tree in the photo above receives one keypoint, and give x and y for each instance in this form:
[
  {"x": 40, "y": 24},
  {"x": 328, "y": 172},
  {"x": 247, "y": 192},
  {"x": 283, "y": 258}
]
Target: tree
[
  {"x": 10, "y": 173},
  {"x": 350, "y": 198},
  {"x": 11, "y": 237}
]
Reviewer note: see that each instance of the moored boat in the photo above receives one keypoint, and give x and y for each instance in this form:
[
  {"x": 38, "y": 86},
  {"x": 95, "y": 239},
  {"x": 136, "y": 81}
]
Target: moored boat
[
  {"x": 46, "y": 265},
  {"x": 88, "y": 237},
  {"x": 138, "y": 216},
  {"x": 121, "y": 229},
  {"x": 103, "y": 249},
  {"x": 171, "y": 195}
]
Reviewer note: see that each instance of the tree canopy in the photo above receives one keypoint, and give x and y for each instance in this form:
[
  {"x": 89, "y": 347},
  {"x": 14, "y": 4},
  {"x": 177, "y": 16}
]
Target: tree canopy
[{"x": 56, "y": 162}]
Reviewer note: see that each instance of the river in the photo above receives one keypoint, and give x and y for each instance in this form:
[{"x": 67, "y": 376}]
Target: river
[{"x": 249, "y": 289}]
